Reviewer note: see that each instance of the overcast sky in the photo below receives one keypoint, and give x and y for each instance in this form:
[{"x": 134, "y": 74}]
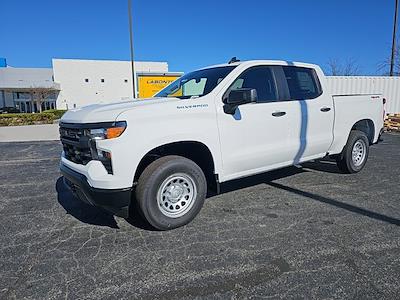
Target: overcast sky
[{"x": 191, "y": 34}]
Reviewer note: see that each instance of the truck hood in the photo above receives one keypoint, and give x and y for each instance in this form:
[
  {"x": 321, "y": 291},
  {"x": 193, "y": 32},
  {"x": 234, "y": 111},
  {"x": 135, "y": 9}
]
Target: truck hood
[{"x": 108, "y": 112}]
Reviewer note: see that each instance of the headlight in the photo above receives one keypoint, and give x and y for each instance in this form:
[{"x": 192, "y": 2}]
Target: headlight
[
  {"x": 103, "y": 131},
  {"x": 109, "y": 131}
]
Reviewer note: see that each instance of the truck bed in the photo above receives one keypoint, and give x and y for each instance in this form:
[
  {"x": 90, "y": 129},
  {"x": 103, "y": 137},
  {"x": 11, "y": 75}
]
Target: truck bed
[{"x": 353, "y": 108}]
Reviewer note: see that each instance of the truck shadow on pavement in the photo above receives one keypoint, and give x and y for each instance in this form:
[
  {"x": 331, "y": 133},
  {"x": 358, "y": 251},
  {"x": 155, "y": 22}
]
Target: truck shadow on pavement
[
  {"x": 325, "y": 166},
  {"x": 94, "y": 215},
  {"x": 81, "y": 211},
  {"x": 238, "y": 184},
  {"x": 338, "y": 204}
]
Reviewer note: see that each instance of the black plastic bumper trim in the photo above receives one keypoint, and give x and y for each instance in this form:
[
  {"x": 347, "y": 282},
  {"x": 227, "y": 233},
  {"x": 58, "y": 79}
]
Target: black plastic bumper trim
[{"x": 115, "y": 201}]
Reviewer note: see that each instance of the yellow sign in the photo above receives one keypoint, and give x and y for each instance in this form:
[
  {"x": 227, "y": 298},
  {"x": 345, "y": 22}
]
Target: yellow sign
[{"x": 151, "y": 85}]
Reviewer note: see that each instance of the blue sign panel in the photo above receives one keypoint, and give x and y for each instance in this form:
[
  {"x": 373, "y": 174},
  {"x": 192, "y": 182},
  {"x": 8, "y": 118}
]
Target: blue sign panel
[{"x": 3, "y": 62}]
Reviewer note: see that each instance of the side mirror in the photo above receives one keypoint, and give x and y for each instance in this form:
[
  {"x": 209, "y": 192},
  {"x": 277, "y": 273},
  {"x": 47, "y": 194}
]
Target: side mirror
[{"x": 238, "y": 97}]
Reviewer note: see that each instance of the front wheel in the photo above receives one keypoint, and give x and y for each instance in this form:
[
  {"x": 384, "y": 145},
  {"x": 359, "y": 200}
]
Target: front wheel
[
  {"x": 171, "y": 192},
  {"x": 355, "y": 154}
]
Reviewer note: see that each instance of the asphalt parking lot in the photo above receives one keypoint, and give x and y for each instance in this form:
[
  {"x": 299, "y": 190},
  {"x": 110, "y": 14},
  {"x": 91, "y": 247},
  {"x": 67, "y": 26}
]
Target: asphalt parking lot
[{"x": 295, "y": 233}]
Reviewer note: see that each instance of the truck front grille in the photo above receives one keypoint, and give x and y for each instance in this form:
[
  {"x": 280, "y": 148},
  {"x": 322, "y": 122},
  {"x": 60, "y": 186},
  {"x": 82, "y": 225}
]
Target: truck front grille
[
  {"x": 79, "y": 147},
  {"x": 76, "y": 154},
  {"x": 75, "y": 144}
]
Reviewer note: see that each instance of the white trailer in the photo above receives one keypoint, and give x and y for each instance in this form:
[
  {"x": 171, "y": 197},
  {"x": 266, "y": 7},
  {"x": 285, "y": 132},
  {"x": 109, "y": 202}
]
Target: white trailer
[{"x": 389, "y": 87}]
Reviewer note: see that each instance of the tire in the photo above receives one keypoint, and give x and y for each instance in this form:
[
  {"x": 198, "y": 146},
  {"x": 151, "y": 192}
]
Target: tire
[
  {"x": 357, "y": 141},
  {"x": 171, "y": 192}
]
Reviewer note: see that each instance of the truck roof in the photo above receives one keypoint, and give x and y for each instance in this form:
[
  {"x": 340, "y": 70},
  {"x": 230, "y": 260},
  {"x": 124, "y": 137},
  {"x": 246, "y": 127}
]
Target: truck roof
[{"x": 269, "y": 62}]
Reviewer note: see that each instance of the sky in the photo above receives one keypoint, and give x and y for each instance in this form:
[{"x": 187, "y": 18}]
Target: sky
[{"x": 193, "y": 34}]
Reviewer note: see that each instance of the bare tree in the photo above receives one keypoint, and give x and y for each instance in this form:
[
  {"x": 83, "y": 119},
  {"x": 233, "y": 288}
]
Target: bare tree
[
  {"x": 384, "y": 66},
  {"x": 338, "y": 68},
  {"x": 41, "y": 94},
  {"x": 333, "y": 67}
]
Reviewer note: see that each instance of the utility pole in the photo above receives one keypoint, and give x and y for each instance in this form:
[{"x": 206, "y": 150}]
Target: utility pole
[
  {"x": 131, "y": 44},
  {"x": 394, "y": 39}
]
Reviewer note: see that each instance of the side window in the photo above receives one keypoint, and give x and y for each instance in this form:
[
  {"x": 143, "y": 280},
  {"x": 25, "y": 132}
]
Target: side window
[
  {"x": 259, "y": 78},
  {"x": 302, "y": 83}
]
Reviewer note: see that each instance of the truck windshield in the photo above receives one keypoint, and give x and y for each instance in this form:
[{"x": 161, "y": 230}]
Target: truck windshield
[{"x": 196, "y": 84}]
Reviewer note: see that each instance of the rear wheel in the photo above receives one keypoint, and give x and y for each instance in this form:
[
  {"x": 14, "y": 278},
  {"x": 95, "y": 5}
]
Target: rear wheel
[
  {"x": 171, "y": 192},
  {"x": 355, "y": 154}
]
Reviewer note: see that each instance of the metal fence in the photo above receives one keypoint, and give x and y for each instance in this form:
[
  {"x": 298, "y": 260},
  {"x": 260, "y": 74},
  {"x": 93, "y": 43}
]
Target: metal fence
[{"x": 389, "y": 87}]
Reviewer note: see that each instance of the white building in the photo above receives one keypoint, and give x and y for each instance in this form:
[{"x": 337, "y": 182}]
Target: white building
[
  {"x": 98, "y": 81},
  {"x": 19, "y": 86},
  {"x": 73, "y": 83}
]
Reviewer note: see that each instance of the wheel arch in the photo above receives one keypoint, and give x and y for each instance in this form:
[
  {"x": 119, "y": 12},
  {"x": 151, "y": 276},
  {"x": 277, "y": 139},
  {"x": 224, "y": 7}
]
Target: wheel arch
[
  {"x": 193, "y": 150},
  {"x": 343, "y": 129},
  {"x": 367, "y": 126}
]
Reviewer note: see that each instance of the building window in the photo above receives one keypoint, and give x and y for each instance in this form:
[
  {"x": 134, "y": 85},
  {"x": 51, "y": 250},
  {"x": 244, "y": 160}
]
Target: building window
[
  {"x": 21, "y": 95},
  {"x": 102, "y": 80},
  {"x": 86, "y": 79},
  {"x": 126, "y": 80}
]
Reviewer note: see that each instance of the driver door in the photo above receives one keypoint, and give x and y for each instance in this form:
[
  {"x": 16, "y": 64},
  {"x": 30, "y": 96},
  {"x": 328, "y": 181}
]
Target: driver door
[{"x": 256, "y": 138}]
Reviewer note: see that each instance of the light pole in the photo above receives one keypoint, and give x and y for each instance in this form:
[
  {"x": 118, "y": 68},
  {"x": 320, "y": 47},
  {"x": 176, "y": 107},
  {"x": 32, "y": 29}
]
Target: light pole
[
  {"x": 394, "y": 39},
  {"x": 131, "y": 44}
]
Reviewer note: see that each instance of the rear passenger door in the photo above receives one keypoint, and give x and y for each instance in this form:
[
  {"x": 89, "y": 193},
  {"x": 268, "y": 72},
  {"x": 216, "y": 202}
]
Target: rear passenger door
[{"x": 312, "y": 131}]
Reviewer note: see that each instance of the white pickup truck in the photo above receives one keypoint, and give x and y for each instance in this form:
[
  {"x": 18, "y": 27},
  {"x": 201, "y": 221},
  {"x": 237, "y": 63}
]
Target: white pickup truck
[{"x": 212, "y": 125}]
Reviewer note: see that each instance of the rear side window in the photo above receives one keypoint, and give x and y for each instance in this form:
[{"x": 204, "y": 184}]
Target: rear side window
[
  {"x": 259, "y": 78},
  {"x": 302, "y": 83}
]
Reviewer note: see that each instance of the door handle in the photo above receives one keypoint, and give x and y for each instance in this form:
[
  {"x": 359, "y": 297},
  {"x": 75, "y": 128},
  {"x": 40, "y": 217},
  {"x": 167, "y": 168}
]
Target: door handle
[
  {"x": 279, "y": 113},
  {"x": 325, "y": 109}
]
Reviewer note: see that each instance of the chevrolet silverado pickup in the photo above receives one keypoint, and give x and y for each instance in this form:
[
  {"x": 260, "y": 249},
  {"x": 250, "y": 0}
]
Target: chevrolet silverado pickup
[{"x": 210, "y": 126}]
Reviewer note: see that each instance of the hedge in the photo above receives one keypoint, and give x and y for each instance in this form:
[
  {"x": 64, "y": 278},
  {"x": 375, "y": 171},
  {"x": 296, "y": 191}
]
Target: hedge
[
  {"x": 46, "y": 117},
  {"x": 57, "y": 112}
]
